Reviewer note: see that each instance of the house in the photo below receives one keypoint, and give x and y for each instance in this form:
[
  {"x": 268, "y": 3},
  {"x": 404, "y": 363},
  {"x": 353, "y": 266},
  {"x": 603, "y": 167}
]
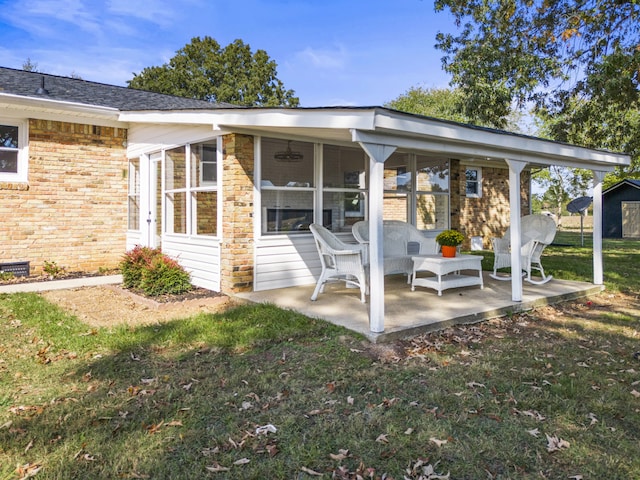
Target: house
[
  {"x": 621, "y": 206},
  {"x": 90, "y": 170}
]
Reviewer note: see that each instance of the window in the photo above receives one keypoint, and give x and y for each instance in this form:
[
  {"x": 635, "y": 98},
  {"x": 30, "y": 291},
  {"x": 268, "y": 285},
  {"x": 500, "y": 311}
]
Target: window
[
  {"x": 175, "y": 190},
  {"x": 191, "y": 201},
  {"x": 432, "y": 193},
  {"x": 287, "y": 185},
  {"x": 344, "y": 189},
  {"x": 473, "y": 182},
  {"x": 397, "y": 187},
  {"x": 203, "y": 188},
  {"x": 13, "y": 155},
  {"x": 134, "y": 194}
]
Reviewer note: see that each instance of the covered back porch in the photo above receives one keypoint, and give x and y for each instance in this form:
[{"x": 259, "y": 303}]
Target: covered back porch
[{"x": 410, "y": 313}]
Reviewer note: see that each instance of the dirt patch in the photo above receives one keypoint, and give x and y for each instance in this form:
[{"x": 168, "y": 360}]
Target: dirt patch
[{"x": 111, "y": 305}]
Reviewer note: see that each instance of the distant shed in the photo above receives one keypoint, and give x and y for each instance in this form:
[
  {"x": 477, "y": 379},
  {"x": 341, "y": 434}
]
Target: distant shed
[{"x": 621, "y": 210}]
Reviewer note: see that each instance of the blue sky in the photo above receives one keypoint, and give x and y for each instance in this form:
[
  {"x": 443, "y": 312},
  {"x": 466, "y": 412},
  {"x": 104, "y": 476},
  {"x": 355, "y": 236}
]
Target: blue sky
[{"x": 330, "y": 52}]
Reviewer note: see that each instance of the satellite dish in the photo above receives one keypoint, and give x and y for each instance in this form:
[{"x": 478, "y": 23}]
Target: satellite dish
[{"x": 579, "y": 204}]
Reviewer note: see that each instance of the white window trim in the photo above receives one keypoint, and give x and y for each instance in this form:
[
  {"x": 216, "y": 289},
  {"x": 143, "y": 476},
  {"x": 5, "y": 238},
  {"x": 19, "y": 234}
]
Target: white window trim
[
  {"x": 22, "y": 174},
  {"x": 478, "y": 181}
]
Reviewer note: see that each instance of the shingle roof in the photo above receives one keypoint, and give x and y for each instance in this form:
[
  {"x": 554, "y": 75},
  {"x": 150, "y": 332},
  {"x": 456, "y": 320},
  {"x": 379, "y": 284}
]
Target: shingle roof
[
  {"x": 626, "y": 181},
  {"x": 66, "y": 89}
]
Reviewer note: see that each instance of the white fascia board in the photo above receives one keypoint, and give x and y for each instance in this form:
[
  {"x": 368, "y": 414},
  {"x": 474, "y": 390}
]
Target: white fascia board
[
  {"x": 256, "y": 118},
  {"x": 46, "y": 109},
  {"x": 503, "y": 145}
]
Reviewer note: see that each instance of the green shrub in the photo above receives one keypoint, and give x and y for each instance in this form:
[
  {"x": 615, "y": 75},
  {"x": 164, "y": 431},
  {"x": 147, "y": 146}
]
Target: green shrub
[
  {"x": 164, "y": 276},
  {"x": 135, "y": 261},
  {"x": 52, "y": 269}
]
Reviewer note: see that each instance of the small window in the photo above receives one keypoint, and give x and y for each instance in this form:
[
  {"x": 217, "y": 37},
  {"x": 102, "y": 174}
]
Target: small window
[
  {"x": 473, "y": 182},
  {"x": 12, "y": 165}
]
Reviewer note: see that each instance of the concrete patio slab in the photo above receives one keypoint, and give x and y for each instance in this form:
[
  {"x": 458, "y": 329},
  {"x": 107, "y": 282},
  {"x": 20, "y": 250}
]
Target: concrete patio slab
[{"x": 410, "y": 313}]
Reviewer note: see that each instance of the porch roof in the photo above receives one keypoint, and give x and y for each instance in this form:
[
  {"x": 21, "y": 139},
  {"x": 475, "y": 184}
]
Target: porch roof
[{"x": 379, "y": 125}]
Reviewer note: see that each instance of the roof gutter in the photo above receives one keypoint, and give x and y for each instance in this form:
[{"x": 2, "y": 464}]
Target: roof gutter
[{"x": 47, "y": 109}]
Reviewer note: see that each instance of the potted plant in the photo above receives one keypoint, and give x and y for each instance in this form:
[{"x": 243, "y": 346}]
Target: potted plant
[{"x": 449, "y": 240}]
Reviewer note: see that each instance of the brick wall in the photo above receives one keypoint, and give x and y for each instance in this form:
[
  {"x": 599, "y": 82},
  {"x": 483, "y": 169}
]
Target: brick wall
[
  {"x": 487, "y": 216},
  {"x": 237, "y": 221},
  {"x": 73, "y": 209}
]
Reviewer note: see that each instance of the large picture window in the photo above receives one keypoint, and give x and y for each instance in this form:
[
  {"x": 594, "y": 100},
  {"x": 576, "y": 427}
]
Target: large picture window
[
  {"x": 287, "y": 186},
  {"x": 344, "y": 186}
]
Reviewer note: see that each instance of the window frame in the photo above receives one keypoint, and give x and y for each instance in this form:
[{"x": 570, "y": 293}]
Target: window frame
[
  {"x": 21, "y": 176},
  {"x": 477, "y": 181}
]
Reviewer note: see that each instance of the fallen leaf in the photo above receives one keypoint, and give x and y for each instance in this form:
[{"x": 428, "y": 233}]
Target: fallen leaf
[
  {"x": 28, "y": 470},
  {"x": 28, "y": 447},
  {"x": 439, "y": 443},
  {"x": 246, "y": 406},
  {"x": 554, "y": 444},
  {"x": 263, "y": 430},
  {"x": 382, "y": 438},
  {"x": 310, "y": 472},
  {"x": 576, "y": 477},
  {"x": 341, "y": 455},
  {"x": 593, "y": 419},
  {"x": 350, "y": 400},
  {"x": 272, "y": 449},
  {"x": 173, "y": 423},
  {"x": 475, "y": 384},
  {"x": 635, "y": 393},
  {"x": 216, "y": 467},
  {"x": 534, "y": 433},
  {"x": 242, "y": 461},
  {"x": 408, "y": 431}
]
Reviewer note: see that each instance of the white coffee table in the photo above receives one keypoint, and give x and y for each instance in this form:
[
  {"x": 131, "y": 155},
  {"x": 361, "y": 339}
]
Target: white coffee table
[{"x": 447, "y": 272}]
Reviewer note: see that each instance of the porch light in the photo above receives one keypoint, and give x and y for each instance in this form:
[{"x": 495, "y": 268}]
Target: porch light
[{"x": 288, "y": 156}]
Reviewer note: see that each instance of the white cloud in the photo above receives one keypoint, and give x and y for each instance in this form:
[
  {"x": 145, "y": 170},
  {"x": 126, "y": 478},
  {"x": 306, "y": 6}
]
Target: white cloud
[{"x": 325, "y": 59}]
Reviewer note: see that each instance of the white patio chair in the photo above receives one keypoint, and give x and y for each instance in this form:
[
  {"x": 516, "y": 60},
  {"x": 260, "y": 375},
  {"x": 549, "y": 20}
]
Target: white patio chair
[
  {"x": 339, "y": 261},
  {"x": 401, "y": 240},
  {"x": 538, "y": 231}
]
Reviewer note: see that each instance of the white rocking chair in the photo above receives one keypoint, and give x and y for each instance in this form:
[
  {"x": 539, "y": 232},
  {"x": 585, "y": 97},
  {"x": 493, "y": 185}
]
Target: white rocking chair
[
  {"x": 538, "y": 231},
  {"x": 339, "y": 261}
]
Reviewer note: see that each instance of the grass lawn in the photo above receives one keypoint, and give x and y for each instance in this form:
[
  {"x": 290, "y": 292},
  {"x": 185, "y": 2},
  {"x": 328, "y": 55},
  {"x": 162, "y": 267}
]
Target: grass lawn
[{"x": 263, "y": 393}]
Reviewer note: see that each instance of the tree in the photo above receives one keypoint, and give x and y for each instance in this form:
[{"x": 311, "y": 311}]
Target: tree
[
  {"x": 29, "y": 66},
  {"x": 445, "y": 104},
  {"x": 562, "y": 185},
  {"x": 576, "y": 62},
  {"x": 441, "y": 103},
  {"x": 233, "y": 74}
]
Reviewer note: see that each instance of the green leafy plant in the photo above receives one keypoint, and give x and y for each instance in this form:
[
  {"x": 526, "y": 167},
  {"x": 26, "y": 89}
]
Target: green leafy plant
[
  {"x": 6, "y": 276},
  {"x": 451, "y": 238},
  {"x": 153, "y": 272},
  {"x": 134, "y": 262},
  {"x": 52, "y": 269},
  {"x": 164, "y": 276}
]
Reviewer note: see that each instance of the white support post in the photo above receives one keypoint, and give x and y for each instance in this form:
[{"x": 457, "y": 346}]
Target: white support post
[
  {"x": 598, "y": 271},
  {"x": 377, "y": 156},
  {"x": 515, "y": 168}
]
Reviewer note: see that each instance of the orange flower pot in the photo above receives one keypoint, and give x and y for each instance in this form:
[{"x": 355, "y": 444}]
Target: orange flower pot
[{"x": 448, "y": 251}]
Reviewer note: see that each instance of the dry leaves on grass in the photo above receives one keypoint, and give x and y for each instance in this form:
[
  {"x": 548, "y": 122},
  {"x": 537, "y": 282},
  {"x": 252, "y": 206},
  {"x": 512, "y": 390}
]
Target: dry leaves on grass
[{"x": 554, "y": 444}]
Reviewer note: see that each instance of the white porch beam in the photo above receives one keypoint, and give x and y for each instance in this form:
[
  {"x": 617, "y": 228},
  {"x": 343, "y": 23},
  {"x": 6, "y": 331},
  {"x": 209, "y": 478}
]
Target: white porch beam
[
  {"x": 598, "y": 270},
  {"x": 515, "y": 168},
  {"x": 377, "y": 156},
  {"x": 528, "y": 150}
]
